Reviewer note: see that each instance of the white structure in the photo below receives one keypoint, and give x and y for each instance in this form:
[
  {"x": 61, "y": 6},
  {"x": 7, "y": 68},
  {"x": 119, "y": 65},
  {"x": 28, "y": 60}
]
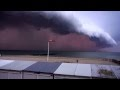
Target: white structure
[
  {"x": 73, "y": 71},
  {"x": 14, "y": 70},
  {"x": 40, "y": 70},
  {"x": 48, "y": 53},
  {"x": 49, "y": 48},
  {"x": 65, "y": 71},
  {"x": 4, "y": 74},
  {"x": 11, "y": 69}
]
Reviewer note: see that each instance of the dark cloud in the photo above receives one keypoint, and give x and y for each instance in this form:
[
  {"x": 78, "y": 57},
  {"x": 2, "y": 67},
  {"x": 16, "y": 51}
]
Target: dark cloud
[
  {"x": 38, "y": 20},
  {"x": 28, "y": 26},
  {"x": 112, "y": 49}
]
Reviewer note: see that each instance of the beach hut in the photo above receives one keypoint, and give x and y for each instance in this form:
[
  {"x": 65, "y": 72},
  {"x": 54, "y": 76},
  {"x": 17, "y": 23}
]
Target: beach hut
[
  {"x": 66, "y": 71},
  {"x": 3, "y": 74},
  {"x": 14, "y": 70},
  {"x": 40, "y": 70},
  {"x": 116, "y": 70},
  {"x": 83, "y": 71}
]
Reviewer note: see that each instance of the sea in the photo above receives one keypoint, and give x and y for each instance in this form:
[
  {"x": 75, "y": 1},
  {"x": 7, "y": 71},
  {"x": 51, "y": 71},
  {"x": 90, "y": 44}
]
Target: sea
[{"x": 111, "y": 55}]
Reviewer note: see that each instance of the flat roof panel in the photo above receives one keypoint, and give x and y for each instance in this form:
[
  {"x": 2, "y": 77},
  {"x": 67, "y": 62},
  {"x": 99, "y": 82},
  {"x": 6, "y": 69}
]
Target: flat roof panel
[
  {"x": 5, "y": 62},
  {"x": 43, "y": 67},
  {"x": 66, "y": 69},
  {"x": 18, "y": 65},
  {"x": 83, "y": 70}
]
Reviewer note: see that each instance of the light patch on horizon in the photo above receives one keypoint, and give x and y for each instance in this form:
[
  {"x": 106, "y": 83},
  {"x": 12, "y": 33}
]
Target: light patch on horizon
[{"x": 112, "y": 49}]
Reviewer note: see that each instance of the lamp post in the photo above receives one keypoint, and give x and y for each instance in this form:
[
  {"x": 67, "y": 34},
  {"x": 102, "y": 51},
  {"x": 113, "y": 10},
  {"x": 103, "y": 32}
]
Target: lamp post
[
  {"x": 49, "y": 49},
  {"x": 48, "y": 52}
]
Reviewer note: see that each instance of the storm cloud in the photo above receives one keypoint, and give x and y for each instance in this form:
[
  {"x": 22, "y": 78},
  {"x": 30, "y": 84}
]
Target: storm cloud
[{"x": 59, "y": 22}]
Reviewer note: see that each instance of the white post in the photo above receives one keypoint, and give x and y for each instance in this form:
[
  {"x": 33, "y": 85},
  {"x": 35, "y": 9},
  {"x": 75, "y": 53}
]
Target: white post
[{"x": 48, "y": 52}]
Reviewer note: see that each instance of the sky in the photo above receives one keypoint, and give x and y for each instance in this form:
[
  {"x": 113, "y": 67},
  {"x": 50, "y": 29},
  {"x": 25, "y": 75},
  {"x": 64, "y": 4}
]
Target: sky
[
  {"x": 108, "y": 20},
  {"x": 71, "y": 30}
]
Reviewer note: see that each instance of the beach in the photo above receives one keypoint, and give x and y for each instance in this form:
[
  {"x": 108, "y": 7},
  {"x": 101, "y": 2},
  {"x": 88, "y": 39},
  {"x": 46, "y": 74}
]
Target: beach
[{"x": 59, "y": 59}]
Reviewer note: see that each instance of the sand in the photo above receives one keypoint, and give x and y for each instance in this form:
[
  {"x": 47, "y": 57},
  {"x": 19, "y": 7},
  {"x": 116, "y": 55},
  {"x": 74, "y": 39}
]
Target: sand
[{"x": 58, "y": 59}]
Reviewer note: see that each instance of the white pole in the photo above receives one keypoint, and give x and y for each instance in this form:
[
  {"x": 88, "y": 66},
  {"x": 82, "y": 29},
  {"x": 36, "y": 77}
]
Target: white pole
[{"x": 48, "y": 52}]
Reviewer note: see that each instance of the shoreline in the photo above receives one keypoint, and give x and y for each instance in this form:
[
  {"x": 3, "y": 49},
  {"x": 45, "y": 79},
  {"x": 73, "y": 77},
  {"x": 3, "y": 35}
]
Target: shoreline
[{"x": 43, "y": 58}]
